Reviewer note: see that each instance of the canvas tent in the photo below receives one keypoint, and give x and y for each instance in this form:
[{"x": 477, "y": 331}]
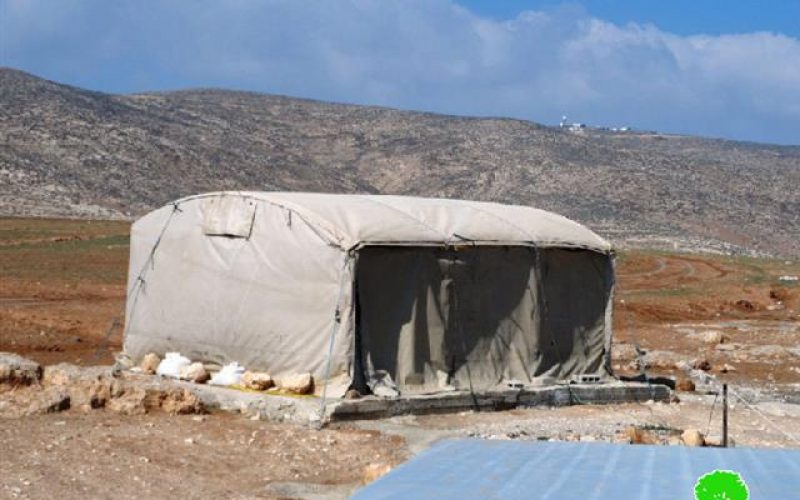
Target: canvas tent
[{"x": 419, "y": 295}]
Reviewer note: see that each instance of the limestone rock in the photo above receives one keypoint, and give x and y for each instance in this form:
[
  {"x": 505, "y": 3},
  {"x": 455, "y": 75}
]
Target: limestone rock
[
  {"x": 88, "y": 387},
  {"x": 674, "y": 441},
  {"x": 374, "y": 471},
  {"x": 713, "y": 337},
  {"x": 123, "y": 361},
  {"x": 661, "y": 359},
  {"x": 16, "y": 370},
  {"x": 692, "y": 437},
  {"x": 131, "y": 402},
  {"x": 150, "y": 363},
  {"x": 623, "y": 351},
  {"x": 685, "y": 385},
  {"x": 64, "y": 374},
  {"x": 90, "y": 395},
  {"x": 637, "y": 435},
  {"x": 61, "y": 374},
  {"x": 622, "y": 438},
  {"x": 137, "y": 401},
  {"x": 195, "y": 373},
  {"x": 181, "y": 402},
  {"x": 300, "y": 383},
  {"x": 701, "y": 364},
  {"x": 49, "y": 400},
  {"x": 259, "y": 381}
]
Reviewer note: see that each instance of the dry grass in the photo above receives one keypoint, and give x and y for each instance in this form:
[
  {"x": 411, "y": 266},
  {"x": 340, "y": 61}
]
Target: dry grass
[{"x": 64, "y": 251}]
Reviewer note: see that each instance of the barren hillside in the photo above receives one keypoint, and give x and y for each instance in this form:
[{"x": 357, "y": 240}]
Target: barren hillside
[{"x": 67, "y": 151}]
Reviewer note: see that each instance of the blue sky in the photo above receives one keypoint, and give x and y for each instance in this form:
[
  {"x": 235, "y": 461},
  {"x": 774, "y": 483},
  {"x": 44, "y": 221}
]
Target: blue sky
[
  {"x": 715, "y": 68},
  {"x": 682, "y": 17}
]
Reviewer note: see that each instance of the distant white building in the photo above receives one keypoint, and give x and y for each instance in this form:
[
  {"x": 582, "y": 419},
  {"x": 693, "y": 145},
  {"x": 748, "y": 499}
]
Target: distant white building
[{"x": 570, "y": 126}]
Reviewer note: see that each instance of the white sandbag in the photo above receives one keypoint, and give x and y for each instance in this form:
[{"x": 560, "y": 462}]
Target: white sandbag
[
  {"x": 229, "y": 375},
  {"x": 171, "y": 365}
]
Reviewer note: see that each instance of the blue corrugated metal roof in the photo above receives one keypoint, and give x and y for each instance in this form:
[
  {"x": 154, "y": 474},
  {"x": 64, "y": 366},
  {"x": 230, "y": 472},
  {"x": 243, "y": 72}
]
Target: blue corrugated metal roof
[{"x": 473, "y": 468}]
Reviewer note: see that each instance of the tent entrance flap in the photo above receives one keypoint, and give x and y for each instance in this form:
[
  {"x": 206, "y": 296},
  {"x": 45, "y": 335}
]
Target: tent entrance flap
[{"x": 431, "y": 319}]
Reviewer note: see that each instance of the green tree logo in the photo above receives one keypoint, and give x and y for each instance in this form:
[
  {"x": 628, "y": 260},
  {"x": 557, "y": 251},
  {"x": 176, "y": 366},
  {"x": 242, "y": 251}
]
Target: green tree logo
[{"x": 721, "y": 485}]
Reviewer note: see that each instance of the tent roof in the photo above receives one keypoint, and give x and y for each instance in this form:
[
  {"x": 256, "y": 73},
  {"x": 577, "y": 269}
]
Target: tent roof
[{"x": 349, "y": 220}]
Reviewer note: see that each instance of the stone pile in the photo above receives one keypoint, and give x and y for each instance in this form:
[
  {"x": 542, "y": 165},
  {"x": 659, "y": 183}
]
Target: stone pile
[
  {"x": 672, "y": 437},
  {"x": 291, "y": 383},
  {"x": 64, "y": 386},
  {"x": 18, "y": 371}
]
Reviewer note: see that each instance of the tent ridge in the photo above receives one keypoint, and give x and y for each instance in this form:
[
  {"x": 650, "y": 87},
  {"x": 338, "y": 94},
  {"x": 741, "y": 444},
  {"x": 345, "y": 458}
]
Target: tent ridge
[
  {"x": 372, "y": 199},
  {"x": 346, "y": 221}
]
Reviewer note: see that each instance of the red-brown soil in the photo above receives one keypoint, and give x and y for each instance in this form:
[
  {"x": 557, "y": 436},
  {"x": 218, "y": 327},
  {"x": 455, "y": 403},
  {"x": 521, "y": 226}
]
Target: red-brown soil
[{"x": 663, "y": 299}]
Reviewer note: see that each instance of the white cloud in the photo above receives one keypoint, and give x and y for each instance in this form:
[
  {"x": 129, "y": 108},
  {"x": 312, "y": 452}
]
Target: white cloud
[{"x": 421, "y": 54}]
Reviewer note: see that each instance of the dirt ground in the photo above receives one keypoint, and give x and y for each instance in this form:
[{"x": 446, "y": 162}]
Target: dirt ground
[
  {"x": 666, "y": 303},
  {"x": 62, "y": 284},
  {"x": 105, "y": 455}
]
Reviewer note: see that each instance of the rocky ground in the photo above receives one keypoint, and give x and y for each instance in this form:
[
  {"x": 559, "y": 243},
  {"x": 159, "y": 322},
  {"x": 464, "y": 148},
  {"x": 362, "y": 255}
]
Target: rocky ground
[
  {"x": 761, "y": 424},
  {"x": 88, "y": 432},
  {"x": 62, "y": 283},
  {"x": 68, "y": 429},
  {"x": 105, "y": 455}
]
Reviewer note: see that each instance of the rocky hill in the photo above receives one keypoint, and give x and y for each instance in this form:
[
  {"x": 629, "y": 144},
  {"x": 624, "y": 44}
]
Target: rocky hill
[{"x": 70, "y": 152}]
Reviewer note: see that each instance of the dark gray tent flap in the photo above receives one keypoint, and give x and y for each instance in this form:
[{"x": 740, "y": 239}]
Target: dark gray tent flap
[
  {"x": 575, "y": 330},
  {"x": 431, "y": 319}
]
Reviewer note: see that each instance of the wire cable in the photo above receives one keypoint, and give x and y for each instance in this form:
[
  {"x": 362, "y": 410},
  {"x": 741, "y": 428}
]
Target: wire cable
[
  {"x": 766, "y": 419},
  {"x": 711, "y": 414},
  {"x": 139, "y": 282}
]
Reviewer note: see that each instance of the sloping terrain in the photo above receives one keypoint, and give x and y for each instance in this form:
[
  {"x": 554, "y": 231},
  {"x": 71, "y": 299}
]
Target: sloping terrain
[{"x": 66, "y": 151}]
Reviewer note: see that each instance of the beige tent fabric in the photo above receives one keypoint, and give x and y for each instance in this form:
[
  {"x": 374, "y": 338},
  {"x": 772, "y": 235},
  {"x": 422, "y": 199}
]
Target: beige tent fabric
[
  {"x": 267, "y": 302},
  {"x": 351, "y": 220},
  {"x": 267, "y": 279}
]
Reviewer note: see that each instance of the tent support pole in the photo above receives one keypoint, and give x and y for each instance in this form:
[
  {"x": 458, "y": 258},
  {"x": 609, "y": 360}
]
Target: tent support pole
[{"x": 337, "y": 320}]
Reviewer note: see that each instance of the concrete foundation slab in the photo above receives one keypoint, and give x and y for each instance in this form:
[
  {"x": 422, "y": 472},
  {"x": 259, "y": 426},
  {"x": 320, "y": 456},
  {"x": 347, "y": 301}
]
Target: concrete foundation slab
[
  {"x": 308, "y": 409},
  {"x": 556, "y": 395}
]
